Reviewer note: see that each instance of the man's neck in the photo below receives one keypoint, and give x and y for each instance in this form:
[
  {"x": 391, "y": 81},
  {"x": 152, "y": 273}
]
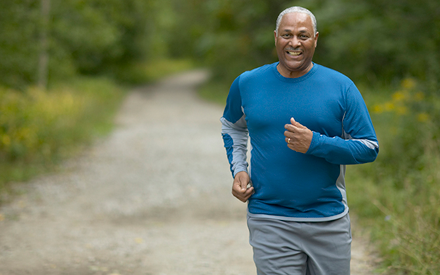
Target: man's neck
[{"x": 293, "y": 74}]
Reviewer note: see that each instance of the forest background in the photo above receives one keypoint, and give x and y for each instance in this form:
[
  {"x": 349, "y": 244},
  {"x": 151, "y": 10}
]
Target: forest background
[{"x": 66, "y": 65}]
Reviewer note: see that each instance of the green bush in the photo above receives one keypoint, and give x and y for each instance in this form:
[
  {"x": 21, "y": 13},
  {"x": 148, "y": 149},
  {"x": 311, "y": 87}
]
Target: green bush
[
  {"x": 38, "y": 128},
  {"x": 398, "y": 196}
]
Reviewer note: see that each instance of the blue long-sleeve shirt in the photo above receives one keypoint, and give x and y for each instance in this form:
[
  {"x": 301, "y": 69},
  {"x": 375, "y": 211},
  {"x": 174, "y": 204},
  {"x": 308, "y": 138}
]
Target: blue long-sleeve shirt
[{"x": 291, "y": 185}]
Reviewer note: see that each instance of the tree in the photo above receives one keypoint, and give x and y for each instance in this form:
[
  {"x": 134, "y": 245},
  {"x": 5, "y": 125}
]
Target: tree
[
  {"x": 19, "y": 21},
  {"x": 43, "y": 60}
]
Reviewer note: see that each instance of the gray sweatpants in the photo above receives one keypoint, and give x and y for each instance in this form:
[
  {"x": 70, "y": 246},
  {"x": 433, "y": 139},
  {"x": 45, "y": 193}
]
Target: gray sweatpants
[{"x": 300, "y": 248}]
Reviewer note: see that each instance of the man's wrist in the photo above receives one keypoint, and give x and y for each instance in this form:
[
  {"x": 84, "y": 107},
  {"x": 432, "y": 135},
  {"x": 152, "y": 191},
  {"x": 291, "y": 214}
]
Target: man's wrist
[{"x": 239, "y": 171}]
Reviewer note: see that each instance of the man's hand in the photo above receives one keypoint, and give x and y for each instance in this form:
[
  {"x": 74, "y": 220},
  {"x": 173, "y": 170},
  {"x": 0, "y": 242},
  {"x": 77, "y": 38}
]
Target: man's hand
[
  {"x": 239, "y": 187},
  {"x": 298, "y": 137}
]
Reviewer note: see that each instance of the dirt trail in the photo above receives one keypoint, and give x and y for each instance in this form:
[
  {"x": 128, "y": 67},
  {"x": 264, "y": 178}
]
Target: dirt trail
[{"x": 153, "y": 198}]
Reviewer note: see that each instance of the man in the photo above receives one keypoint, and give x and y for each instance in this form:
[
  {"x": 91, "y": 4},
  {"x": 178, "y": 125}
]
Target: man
[{"x": 305, "y": 123}]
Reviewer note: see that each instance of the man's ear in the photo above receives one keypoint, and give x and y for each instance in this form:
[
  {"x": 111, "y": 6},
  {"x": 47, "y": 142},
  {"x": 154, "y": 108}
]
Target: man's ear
[
  {"x": 316, "y": 39},
  {"x": 275, "y": 36}
]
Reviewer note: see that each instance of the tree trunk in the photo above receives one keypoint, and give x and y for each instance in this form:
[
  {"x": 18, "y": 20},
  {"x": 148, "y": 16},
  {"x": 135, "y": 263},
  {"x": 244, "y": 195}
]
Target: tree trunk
[{"x": 44, "y": 55}]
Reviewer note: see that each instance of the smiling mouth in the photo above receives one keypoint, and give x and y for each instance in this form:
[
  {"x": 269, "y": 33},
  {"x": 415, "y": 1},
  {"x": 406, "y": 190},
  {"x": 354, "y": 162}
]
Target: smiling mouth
[{"x": 292, "y": 53}]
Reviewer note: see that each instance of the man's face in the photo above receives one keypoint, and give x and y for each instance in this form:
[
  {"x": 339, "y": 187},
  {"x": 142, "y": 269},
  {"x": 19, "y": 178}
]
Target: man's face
[{"x": 295, "y": 44}]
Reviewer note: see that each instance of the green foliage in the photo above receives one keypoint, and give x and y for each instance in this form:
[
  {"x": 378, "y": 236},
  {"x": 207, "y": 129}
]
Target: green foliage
[
  {"x": 214, "y": 91},
  {"x": 97, "y": 36},
  {"x": 238, "y": 36},
  {"x": 18, "y": 42},
  {"x": 412, "y": 113},
  {"x": 398, "y": 196},
  {"x": 38, "y": 128},
  {"x": 380, "y": 40},
  {"x": 142, "y": 72},
  {"x": 374, "y": 41},
  {"x": 93, "y": 37},
  {"x": 404, "y": 223}
]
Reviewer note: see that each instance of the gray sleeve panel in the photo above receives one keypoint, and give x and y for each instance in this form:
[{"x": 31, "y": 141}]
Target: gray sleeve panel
[
  {"x": 369, "y": 143},
  {"x": 239, "y": 134}
]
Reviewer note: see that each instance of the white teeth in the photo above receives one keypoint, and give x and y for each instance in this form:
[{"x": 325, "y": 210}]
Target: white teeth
[{"x": 294, "y": 53}]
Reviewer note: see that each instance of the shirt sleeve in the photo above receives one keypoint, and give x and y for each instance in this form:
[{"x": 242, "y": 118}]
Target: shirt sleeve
[
  {"x": 358, "y": 143},
  {"x": 234, "y": 130}
]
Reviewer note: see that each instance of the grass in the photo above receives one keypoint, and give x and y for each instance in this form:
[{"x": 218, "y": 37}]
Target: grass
[
  {"x": 397, "y": 197},
  {"x": 214, "y": 91},
  {"x": 145, "y": 72},
  {"x": 41, "y": 128}
]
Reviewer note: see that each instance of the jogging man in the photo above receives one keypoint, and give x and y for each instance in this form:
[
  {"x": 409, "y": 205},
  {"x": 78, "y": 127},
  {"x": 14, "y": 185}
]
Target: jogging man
[{"x": 305, "y": 122}]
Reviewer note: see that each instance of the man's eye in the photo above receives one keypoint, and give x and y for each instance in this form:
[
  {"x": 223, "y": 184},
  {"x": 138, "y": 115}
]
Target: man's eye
[{"x": 286, "y": 35}]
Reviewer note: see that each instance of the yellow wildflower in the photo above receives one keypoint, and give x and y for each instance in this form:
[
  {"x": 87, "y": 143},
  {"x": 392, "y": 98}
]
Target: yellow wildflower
[
  {"x": 399, "y": 96},
  {"x": 408, "y": 83},
  {"x": 23, "y": 133},
  {"x": 419, "y": 96},
  {"x": 6, "y": 140},
  {"x": 402, "y": 110},
  {"x": 389, "y": 106},
  {"x": 377, "y": 109},
  {"x": 422, "y": 117}
]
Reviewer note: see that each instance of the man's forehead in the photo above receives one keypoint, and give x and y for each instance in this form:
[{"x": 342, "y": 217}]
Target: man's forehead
[
  {"x": 296, "y": 21},
  {"x": 296, "y": 17},
  {"x": 301, "y": 30}
]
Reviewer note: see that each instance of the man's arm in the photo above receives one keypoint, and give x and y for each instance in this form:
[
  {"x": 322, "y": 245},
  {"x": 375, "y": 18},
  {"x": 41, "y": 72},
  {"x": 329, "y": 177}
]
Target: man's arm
[
  {"x": 235, "y": 137},
  {"x": 357, "y": 145},
  {"x": 333, "y": 149},
  {"x": 235, "y": 140}
]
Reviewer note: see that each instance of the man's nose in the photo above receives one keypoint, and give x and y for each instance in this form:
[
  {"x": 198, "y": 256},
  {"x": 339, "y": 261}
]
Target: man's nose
[{"x": 294, "y": 41}]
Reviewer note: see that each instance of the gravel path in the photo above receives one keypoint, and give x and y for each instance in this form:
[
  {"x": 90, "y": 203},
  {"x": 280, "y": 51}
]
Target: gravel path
[{"x": 153, "y": 198}]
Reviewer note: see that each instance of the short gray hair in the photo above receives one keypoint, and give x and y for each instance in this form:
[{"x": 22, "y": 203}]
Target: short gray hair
[{"x": 299, "y": 10}]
